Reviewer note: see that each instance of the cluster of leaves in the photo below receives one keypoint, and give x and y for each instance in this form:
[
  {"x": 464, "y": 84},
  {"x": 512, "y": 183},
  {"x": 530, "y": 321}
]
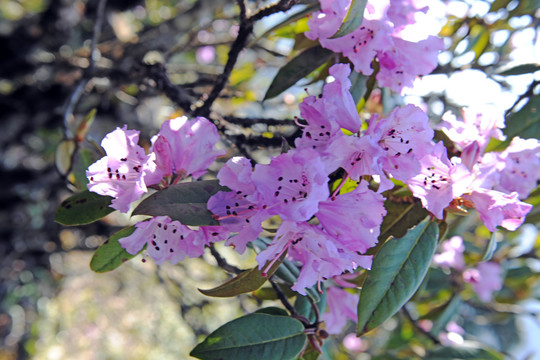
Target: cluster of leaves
[{"x": 408, "y": 240}]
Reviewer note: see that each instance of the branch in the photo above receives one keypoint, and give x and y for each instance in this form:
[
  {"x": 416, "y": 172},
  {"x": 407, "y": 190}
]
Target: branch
[
  {"x": 177, "y": 94},
  {"x": 246, "y": 27},
  {"x": 282, "y": 5},
  {"x": 89, "y": 73},
  {"x": 222, "y": 263},
  {"x": 238, "y": 45}
]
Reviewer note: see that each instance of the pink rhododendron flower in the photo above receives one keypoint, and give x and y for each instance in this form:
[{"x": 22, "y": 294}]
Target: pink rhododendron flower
[
  {"x": 397, "y": 67},
  {"x": 486, "y": 278},
  {"x": 439, "y": 181},
  {"x": 238, "y": 211},
  {"x": 521, "y": 167},
  {"x": 405, "y": 136},
  {"x": 341, "y": 307},
  {"x": 452, "y": 254},
  {"x": 166, "y": 240},
  {"x": 122, "y": 174},
  {"x": 402, "y": 12},
  {"x": 186, "y": 147},
  {"x": 376, "y": 37},
  {"x": 354, "y": 218},
  {"x": 479, "y": 125},
  {"x": 321, "y": 255},
  {"x": 292, "y": 185},
  {"x": 338, "y": 102},
  {"x": 358, "y": 156},
  {"x": 499, "y": 209}
]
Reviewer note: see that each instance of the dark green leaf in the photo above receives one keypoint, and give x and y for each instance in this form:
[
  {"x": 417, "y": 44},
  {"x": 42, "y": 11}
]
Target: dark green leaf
[
  {"x": 518, "y": 70},
  {"x": 299, "y": 67},
  {"x": 111, "y": 254},
  {"x": 526, "y": 122},
  {"x": 272, "y": 310},
  {"x": 358, "y": 85},
  {"x": 303, "y": 306},
  {"x": 401, "y": 215},
  {"x": 83, "y": 208},
  {"x": 292, "y": 18},
  {"x": 397, "y": 271},
  {"x": 353, "y": 19},
  {"x": 185, "y": 202},
  {"x": 469, "y": 350},
  {"x": 247, "y": 281},
  {"x": 255, "y": 336},
  {"x": 82, "y": 160}
]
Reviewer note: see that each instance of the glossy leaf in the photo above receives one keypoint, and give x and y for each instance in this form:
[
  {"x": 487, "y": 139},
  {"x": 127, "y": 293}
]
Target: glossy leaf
[
  {"x": 468, "y": 350},
  {"x": 255, "y": 336},
  {"x": 290, "y": 19},
  {"x": 401, "y": 215},
  {"x": 111, "y": 254},
  {"x": 518, "y": 70},
  {"x": 299, "y": 67},
  {"x": 353, "y": 19},
  {"x": 83, "y": 208},
  {"x": 272, "y": 310},
  {"x": 185, "y": 202},
  {"x": 247, "y": 281},
  {"x": 397, "y": 271},
  {"x": 82, "y": 160},
  {"x": 524, "y": 123}
]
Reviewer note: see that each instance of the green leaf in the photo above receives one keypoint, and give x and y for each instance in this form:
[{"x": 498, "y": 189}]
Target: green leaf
[
  {"x": 469, "y": 350},
  {"x": 397, "y": 271},
  {"x": 254, "y": 336},
  {"x": 247, "y": 281},
  {"x": 358, "y": 85},
  {"x": 111, "y": 254},
  {"x": 299, "y": 67},
  {"x": 64, "y": 156},
  {"x": 526, "y": 122},
  {"x": 353, "y": 19},
  {"x": 400, "y": 217},
  {"x": 272, "y": 310},
  {"x": 302, "y": 304},
  {"x": 518, "y": 70},
  {"x": 292, "y": 18},
  {"x": 185, "y": 202},
  {"x": 83, "y": 208},
  {"x": 82, "y": 160}
]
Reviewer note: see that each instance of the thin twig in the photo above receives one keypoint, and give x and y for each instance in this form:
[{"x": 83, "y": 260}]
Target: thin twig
[
  {"x": 244, "y": 31},
  {"x": 222, "y": 263},
  {"x": 89, "y": 73},
  {"x": 282, "y": 5},
  {"x": 281, "y": 296}
]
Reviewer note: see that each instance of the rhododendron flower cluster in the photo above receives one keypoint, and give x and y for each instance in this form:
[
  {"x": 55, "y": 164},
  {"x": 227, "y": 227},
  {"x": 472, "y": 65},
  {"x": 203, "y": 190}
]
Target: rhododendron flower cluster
[
  {"x": 324, "y": 226},
  {"x": 381, "y": 36}
]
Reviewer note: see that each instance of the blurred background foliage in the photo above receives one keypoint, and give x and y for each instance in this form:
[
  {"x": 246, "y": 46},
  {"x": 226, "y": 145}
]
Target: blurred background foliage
[{"x": 155, "y": 59}]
